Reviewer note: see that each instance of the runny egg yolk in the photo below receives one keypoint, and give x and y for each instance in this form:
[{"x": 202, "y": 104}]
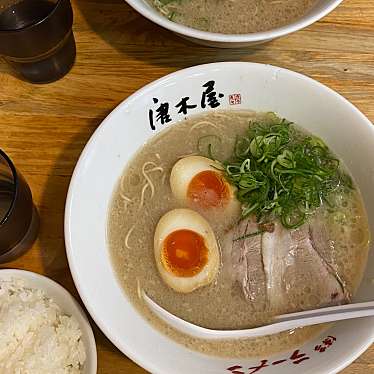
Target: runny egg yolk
[
  {"x": 208, "y": 189},
  {"x": 184, "y": 253}
]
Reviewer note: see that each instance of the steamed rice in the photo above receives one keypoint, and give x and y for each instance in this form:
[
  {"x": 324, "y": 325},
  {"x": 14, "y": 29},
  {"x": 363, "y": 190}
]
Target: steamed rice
[{"x": 35, "y": 336}]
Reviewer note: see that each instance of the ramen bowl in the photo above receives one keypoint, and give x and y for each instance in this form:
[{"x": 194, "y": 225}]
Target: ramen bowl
[
  {"x": 237, "y": 85},
  {"x": 321, "y": 9}
]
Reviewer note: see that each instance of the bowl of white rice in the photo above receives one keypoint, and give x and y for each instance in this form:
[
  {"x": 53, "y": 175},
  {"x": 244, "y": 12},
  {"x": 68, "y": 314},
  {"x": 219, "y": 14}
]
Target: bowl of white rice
[{"x": 43, "y": 328}]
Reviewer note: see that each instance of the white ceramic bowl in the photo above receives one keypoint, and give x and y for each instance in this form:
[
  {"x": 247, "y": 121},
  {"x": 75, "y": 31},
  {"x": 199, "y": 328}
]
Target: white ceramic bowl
[
  {"x": 245, "y": 86},
  {"x": 322, "y": 8},
  {"x": 68, "y": 305}
]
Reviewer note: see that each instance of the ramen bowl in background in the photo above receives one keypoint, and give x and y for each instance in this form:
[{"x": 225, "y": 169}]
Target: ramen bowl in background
[
  {"x": 229, "y": 86},
  {"x": 319, "y": 10}
]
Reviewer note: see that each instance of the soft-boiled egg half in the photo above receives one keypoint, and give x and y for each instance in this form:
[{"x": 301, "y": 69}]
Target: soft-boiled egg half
[
  {"x": 198, "y": 182},
  {"x": 186, "y": 250}
]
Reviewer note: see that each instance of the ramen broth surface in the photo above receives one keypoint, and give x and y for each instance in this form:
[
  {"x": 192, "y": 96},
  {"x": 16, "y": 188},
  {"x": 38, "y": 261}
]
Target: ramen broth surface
[
  {"x": 221, "y": 305},
  {"x": 234, "y": 16}
]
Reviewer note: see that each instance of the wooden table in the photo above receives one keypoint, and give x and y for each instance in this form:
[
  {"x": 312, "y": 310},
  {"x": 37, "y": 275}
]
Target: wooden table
[{"x": 45, "y": 127}]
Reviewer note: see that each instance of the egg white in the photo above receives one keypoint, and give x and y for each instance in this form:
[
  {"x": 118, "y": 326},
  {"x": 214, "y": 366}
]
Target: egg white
[
  {"x": 179, "y": 219},
  {"x": 185, "y": 170}
]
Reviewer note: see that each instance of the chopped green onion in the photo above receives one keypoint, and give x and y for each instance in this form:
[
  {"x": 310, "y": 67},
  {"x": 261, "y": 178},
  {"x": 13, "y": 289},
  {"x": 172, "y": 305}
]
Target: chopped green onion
[
  {"x": 209, "y": 146},
  {"x": 283, "y": 173},
  {"x": 249, "y": 235}
]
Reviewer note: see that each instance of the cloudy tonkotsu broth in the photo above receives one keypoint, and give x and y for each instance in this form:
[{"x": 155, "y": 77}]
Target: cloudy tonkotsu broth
[
  {"x": 220, "y": 305},
  {"x": 233, "y": 16}
]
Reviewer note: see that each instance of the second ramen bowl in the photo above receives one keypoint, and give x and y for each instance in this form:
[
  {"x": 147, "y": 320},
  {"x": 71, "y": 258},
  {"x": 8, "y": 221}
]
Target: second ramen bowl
[{"x": 321, "y": 9}]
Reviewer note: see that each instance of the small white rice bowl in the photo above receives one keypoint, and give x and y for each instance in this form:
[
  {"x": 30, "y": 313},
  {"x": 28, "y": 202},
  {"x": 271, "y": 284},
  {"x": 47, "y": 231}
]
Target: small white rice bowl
[{"x": 37, "y": 336}]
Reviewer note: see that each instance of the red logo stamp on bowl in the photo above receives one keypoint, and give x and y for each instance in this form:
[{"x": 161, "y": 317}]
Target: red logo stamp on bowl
[{"x": 235, "y": 99}]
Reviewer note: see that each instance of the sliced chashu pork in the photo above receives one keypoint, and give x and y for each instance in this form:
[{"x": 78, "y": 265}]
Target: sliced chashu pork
[
  {"x": 284, "y": 270},
  {"x": 298, "y": 277},
  {"x": 243, "y": 261}
]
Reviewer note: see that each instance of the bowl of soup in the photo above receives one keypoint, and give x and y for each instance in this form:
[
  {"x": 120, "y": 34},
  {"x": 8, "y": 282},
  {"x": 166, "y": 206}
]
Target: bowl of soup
[
  {"x": 228, "y": 193},
  {"x": 233, "y": 23}
]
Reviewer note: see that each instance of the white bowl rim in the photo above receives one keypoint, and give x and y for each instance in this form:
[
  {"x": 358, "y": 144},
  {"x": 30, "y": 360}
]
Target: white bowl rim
[
  {"x": 26, "y": 274},
  {"x": 301, "y": 23},
  {"x": 133, "y": 355}
]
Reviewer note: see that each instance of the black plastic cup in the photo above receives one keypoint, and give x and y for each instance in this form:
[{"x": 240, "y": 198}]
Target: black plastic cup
[
  {"x": 19, "y": 220},
  {"x": 36, "y": 38}
]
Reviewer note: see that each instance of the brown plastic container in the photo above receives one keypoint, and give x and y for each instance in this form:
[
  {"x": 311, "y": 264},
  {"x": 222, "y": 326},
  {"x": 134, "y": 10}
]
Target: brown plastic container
[
  {"x": 36, "y": 38},
  {"x": 18, "y": 217}
]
